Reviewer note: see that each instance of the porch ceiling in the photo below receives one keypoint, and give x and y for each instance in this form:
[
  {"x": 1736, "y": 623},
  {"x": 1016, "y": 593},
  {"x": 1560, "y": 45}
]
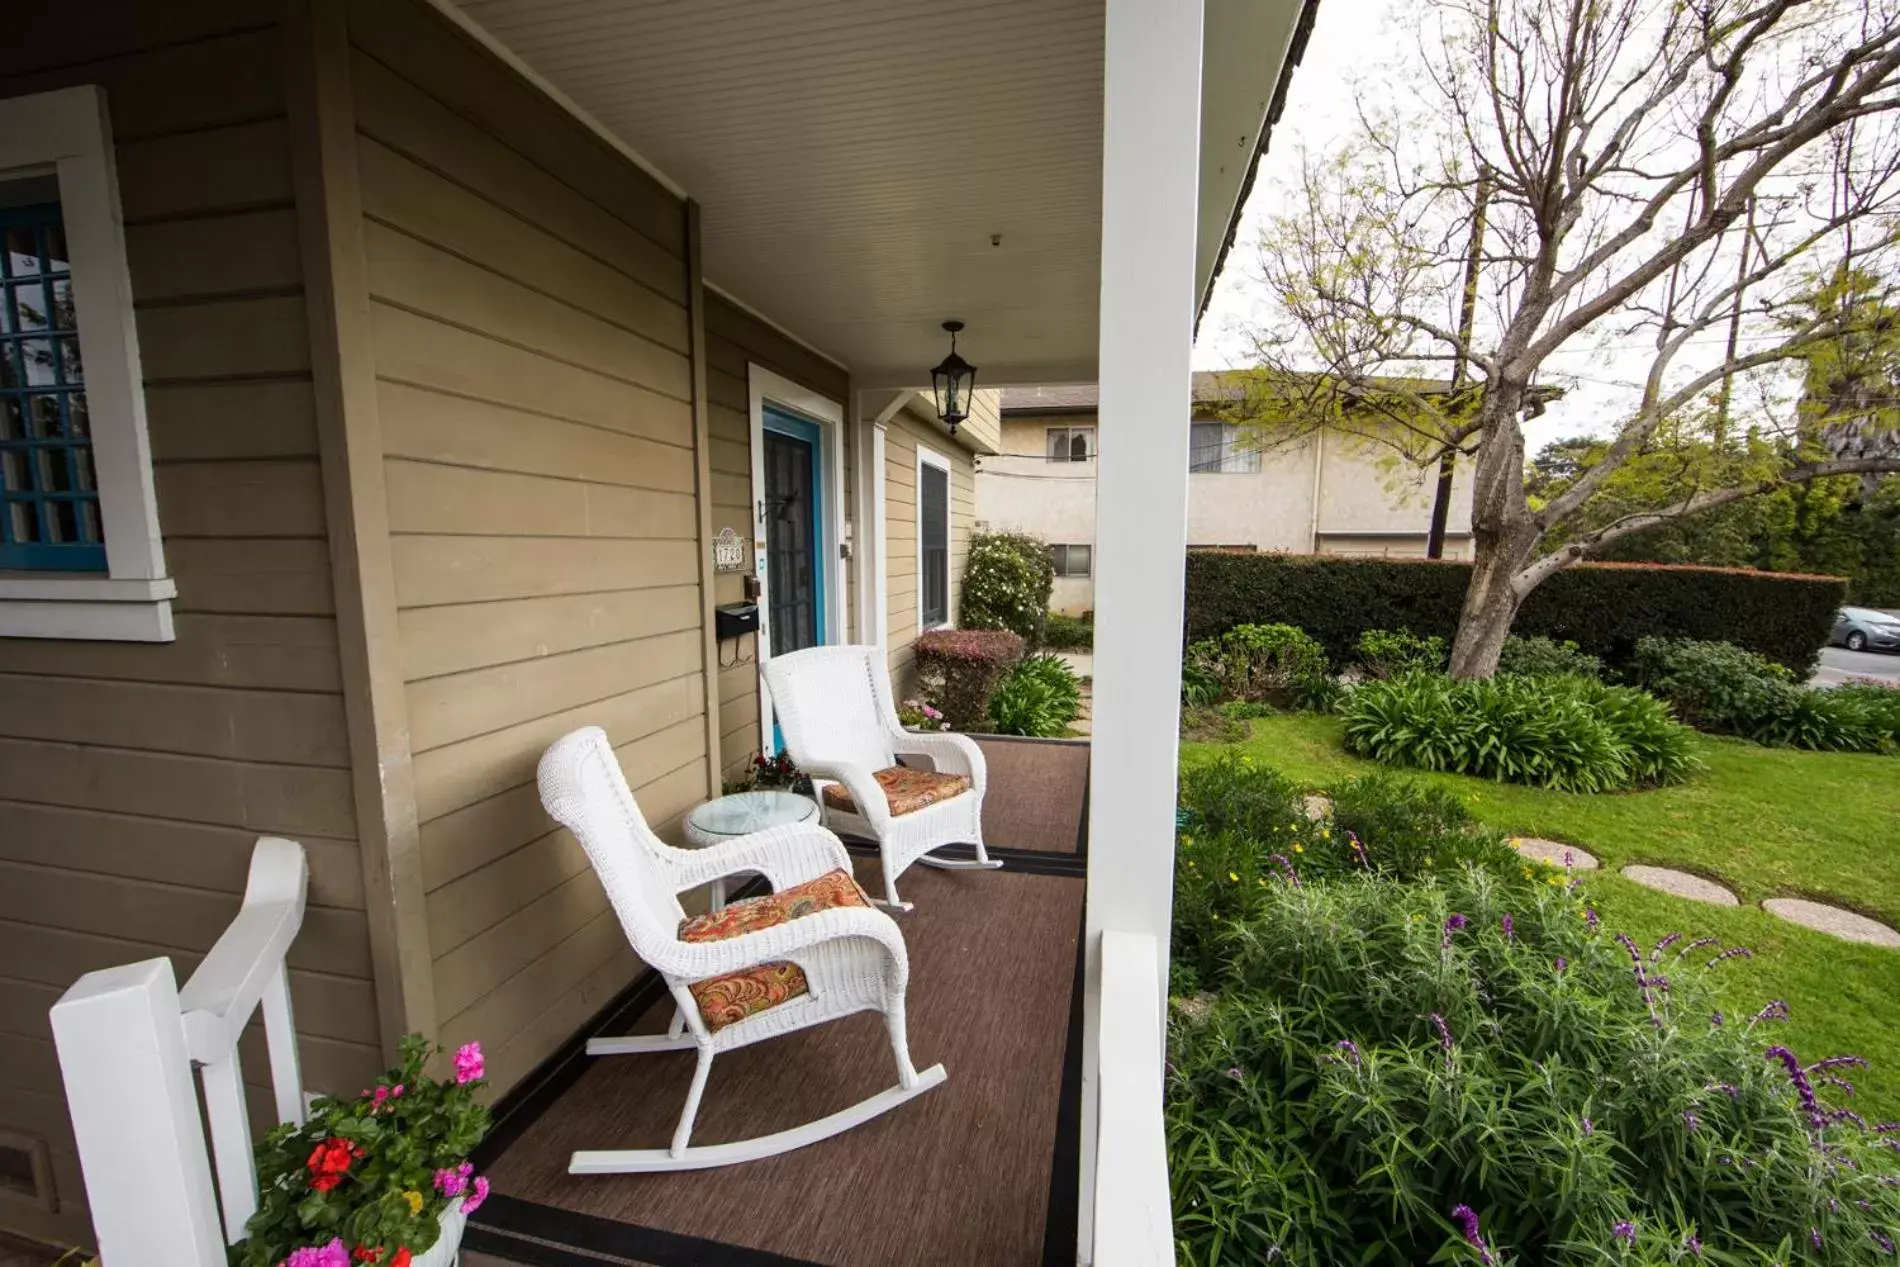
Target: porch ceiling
[{"x": 854, "y": 157}]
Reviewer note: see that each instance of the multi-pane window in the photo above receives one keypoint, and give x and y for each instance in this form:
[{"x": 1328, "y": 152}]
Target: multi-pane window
[
  {"x": 1072, "y": 560},
  {"x": 1221, "y": 448},
  {"x": 933, "y": 543},
  {"x": 1071, "y": 444},
  {"x": 49, "y": 495}
]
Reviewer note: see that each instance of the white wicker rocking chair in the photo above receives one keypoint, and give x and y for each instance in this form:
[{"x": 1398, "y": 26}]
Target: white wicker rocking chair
[
  {"x": 833, "y": 705},
  {"x": 844, "y": 956}
]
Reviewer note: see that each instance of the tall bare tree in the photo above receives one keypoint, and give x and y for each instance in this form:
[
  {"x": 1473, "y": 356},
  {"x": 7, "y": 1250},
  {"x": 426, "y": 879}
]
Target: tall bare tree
[{"x": 1646, "y": 170}]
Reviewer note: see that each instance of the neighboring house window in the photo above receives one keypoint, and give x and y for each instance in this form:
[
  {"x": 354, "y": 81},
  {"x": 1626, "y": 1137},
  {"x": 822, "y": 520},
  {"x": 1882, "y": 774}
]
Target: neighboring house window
[
  {"x": 80, "y": 552},
  {"x": 933, "y": 539},
  {"x": 1220, "y": 448},
  {"x": 1072, "y": 560},
  {"x": 1071, "y": 444}
]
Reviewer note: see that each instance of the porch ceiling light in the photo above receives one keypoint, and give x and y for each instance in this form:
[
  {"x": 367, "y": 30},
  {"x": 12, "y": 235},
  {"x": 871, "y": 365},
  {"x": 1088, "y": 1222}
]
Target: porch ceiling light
[{"x": 953, "y": 379}]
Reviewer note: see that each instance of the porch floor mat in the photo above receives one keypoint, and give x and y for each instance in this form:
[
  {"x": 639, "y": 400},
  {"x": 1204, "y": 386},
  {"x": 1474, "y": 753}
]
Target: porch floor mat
[
  {"x": 964, "y": 1174},
  {"x": 1038, "y": 795}
]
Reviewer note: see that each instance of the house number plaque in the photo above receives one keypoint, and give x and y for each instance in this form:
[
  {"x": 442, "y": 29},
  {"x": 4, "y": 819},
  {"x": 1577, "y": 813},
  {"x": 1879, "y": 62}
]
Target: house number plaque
[{"x": 728, "y": 551}]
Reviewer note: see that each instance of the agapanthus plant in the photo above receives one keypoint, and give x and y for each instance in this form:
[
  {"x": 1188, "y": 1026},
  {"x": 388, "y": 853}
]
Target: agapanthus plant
[{"x": 367, "y": 1179}]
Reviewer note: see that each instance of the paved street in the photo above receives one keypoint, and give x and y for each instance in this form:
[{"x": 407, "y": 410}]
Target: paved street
[{"x": 1838, "y": 664}]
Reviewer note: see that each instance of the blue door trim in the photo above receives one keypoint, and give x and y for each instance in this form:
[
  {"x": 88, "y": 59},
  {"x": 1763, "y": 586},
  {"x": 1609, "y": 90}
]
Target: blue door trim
[{"x": 798, "y": 428}]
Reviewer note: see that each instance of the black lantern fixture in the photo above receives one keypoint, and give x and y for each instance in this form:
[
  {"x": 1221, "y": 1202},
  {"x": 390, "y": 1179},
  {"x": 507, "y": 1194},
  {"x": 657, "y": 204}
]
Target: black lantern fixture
[{"x": 953, "y": 379}]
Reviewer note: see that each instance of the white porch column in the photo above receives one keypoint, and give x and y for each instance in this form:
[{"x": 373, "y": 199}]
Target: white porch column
[{"x": 1150, "y": 180}]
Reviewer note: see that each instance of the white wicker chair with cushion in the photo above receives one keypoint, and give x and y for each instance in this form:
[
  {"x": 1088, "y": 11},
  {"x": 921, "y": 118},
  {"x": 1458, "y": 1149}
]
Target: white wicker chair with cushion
[
  {"x": 813, "y": 950},
  {"x": 834, "y": 707}
]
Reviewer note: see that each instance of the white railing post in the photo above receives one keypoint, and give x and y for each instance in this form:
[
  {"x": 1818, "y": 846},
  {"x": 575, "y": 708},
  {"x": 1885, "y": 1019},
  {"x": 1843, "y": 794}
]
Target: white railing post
[
  {"x": 1151, "y": 103},
  {"x": 122, "y": 1054}
]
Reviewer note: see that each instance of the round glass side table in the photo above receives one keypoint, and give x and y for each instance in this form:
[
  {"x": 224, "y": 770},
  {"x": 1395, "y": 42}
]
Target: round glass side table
[{"x": 741, "y": 814}]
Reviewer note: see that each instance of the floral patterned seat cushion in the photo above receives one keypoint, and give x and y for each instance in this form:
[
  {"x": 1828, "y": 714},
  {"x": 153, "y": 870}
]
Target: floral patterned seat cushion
[
  {"x": 737, "y": 995},
  {"x": 907, "y": 789}
]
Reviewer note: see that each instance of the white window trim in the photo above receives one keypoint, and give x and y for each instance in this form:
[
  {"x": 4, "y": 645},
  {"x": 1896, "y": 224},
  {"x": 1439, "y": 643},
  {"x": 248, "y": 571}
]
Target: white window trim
[
  {"x": 68, "y": 134},
  {"x": 763, "y": 387},
  {"x": 930, "y": 457}
]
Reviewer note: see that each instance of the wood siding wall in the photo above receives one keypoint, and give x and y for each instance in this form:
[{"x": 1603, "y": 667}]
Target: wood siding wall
[
  {"x": 528, "y": 293},
  {"x": 902, "y": 436},
  {"x": 135, "y": 778},
  {"x": 735, "y": 340}
]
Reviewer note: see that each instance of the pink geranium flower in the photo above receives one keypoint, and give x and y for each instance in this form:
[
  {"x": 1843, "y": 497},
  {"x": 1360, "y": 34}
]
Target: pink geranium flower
[
  {"x": 469, "y": 1065},
  {"x": 453, "y": 1182},
  {"x": 477, "y": 1193},
  {"x": 331, "y": 1255}
]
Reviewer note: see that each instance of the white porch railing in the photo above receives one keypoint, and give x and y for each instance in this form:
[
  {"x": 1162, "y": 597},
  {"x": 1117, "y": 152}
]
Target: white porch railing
[
  {"x": 1133, "y": 1211},
  {"x": 127, "y": 1040}
]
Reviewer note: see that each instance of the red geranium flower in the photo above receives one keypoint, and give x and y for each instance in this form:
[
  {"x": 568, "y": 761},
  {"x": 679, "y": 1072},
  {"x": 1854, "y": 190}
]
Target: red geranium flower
[{"x": 400, "y": 1258}]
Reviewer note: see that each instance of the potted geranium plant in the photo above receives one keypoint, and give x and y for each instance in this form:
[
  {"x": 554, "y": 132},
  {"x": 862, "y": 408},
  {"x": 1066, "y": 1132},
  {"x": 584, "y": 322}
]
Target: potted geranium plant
[{"x": 381, "y": 1179}]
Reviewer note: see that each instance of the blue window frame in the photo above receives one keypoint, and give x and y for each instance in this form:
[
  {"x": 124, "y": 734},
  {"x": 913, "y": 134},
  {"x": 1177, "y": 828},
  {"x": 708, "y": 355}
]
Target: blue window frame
[{"x": 49, "y": 491}]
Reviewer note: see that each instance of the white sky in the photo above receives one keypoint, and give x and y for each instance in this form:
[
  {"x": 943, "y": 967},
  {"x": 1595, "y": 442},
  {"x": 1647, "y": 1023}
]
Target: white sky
[{"x": 1357, "y": 42}]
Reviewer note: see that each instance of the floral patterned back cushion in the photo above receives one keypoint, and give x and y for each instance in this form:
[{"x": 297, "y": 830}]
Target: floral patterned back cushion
[
  {"x": 908, "y": 790},
  {"x": 737, "y": 995}
]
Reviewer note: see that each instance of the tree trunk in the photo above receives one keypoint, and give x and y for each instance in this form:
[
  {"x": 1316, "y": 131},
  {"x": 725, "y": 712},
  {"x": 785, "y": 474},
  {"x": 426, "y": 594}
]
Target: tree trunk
[{"x": 1504, "y": 536}]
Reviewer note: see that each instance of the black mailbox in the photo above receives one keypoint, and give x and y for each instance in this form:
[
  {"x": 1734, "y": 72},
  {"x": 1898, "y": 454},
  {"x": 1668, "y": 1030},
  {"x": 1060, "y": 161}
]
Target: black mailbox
[{"x": 735, "y": 620}]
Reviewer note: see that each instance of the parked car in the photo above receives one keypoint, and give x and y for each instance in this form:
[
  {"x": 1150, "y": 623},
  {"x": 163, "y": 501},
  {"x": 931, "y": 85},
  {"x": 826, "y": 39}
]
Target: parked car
[{"x": 1864, "y": 629}]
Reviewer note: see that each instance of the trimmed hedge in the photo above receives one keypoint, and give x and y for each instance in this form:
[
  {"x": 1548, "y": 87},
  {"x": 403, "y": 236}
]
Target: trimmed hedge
[
  {"x": 1602, "y": 607},
  {"x": 959, "y": 669}
]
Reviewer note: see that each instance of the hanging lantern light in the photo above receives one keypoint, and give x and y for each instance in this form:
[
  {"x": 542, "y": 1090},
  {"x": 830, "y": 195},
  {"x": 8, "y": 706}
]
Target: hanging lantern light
[{"x": 953, "y": 379}]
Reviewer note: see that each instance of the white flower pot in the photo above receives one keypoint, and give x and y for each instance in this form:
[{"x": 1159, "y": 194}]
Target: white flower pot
[{"x": 445, "y": 1252}]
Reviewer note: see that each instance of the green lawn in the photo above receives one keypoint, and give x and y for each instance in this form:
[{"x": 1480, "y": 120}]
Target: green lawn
[{"x": 1766, "y": 822}]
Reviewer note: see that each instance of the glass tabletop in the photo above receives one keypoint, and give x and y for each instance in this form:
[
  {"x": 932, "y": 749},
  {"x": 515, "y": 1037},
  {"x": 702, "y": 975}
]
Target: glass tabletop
[{"x": 745, "y": 812}]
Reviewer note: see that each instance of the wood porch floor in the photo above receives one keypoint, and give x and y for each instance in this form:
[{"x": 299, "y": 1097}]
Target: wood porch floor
[{"x": 980, "y": 1171}]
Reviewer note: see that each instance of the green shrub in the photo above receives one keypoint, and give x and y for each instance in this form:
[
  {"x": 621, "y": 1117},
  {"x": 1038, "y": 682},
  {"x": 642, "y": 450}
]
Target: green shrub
[
  {"x": 1720, "y": 687},
  {"x": 1038, "y": 697},
  {"x": 960, "y": 669},
  {"x": 1384, "y": 1058},
  {"x": 1006, "y": 584},
  {"x": 1241, "y": 825},
  {"x": 1602, "y": 607},
  {"x": 1068, "y": 633},
  {"x": 1385, "y": 653},
  {"x": 1537, "y": 656},
  {"x": 1881, "y": 701},
  {"x": 1269, "y": 664},
  {"x": 1573, "y": 734}
]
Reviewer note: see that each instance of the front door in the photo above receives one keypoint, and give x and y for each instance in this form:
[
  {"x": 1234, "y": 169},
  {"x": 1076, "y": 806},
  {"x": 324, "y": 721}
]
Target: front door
[{"x": 794, "y": 534}]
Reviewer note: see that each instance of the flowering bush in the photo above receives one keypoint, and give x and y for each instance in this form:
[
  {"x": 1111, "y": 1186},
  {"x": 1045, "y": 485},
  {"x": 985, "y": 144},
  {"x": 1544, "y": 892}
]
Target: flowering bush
[
  {"x": 367, "y": 1180},
  {"x": 1272, "y": 664},
  {"x": 960, "y": 669},
  {"x": 1006, "y": 584},
  {"x": 1468, "y": 1068},
  {"x": 917, "y": 715}
]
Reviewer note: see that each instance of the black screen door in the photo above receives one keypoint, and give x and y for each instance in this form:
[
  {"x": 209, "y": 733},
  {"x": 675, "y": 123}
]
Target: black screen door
[
  {"x": 933, "y": 531},
  {"x": 791, "y": 535}
]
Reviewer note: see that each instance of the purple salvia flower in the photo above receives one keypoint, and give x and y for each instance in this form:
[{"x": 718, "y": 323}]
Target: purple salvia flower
[
  {"x": 1733, "y": 952},
  {"x": 1814, "y": 1237},
  {"x": 1837, "y": 1062},
  {"x": 1847, "y": 1115},
  {"x": 1509, "y": 927},
  {"x": 1663, "y": 945},
  {"x": 1696, "y": 945},
  {"x": 1358, "y": 849},
  {"x": 1887, "y": 1128},
  {"x": 1728, "y": 1089},
  {"x": 1453, "y": 923},
  {"x": 1883, "y": 1240},
  {"x": 1467, "y": 1220},
  {"x": 1837, "y": 1082},
  {"x": 1589, "y": 1127},
  {"x": 1694, "y": 1246},
  {"x": 1348, "y": 1050},
  {"x": 1775, "y": 1011},
  {"x": 1690, "y": 1121},
  {"x": 1560, "y": 963},
  {"x": 1590, "y": 918},
  {"x": 1715, "y": 1017},
  {"x": 1803, "y": 1088},
  {"x": 1234, "y": 1072},
  {"x": 1570, "y": 860},
  {"x": 1286, "y": 868},
  {"x": 1444, "y": 1035},
  {"x": 1625, "y": 1231}
]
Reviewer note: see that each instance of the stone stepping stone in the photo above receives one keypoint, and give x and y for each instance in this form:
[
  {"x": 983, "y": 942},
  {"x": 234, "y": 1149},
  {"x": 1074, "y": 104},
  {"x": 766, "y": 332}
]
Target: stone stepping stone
[
  {"x": 1317, "y": 806},
  {"x": 1832, "y": 919},
  {"x": 1681, "y": 884},
  {"x": 1554, "y": 852}
]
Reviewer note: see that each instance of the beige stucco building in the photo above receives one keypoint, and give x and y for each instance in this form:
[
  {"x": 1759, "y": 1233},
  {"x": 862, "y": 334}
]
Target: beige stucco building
[{"x": 1327, "y": 493}]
